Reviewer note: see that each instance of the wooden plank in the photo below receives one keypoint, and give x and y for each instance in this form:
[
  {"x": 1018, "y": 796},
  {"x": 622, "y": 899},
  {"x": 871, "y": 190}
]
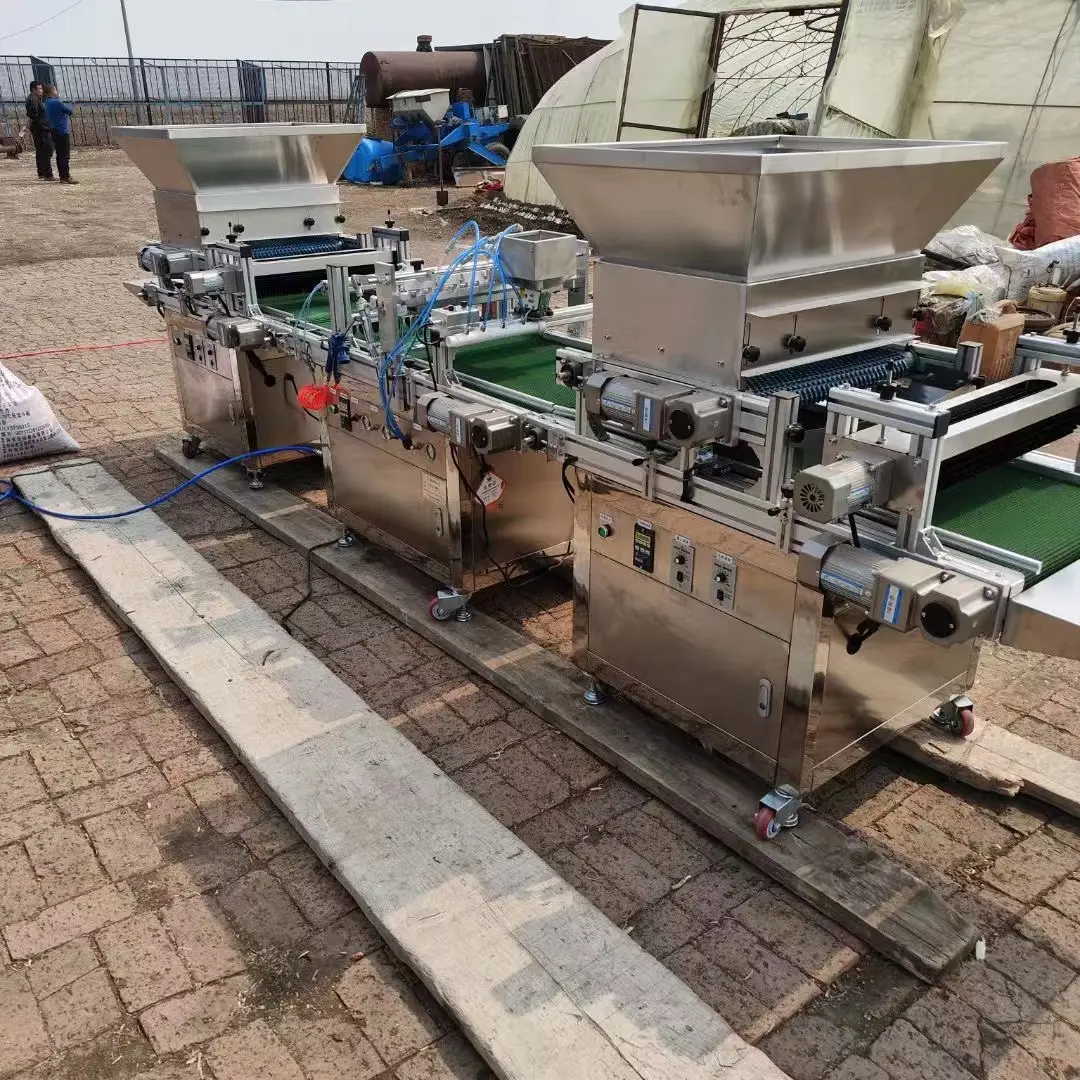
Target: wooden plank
[
  {"x": 892, "y": 910},
  {"x": 544, "y": 985},
  {"x": 994, "y": 759}
]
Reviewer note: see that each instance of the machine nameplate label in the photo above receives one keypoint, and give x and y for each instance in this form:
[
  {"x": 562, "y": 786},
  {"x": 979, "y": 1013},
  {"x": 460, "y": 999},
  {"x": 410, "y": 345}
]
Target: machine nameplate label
[
  {"x": 646, "y": 414},
  {"x": 606, "y": 519},
  {"x": 434, "y": 490},
  {"x": 894, "y": 604},
  {"x": 685, "y": 541}
]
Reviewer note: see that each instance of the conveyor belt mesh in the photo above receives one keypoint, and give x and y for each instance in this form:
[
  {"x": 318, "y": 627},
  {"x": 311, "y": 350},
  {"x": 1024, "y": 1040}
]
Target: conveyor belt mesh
[
  {"x": 318, "y": 311},
  {"x": 1019, "y": 510},
  {"x": 294, "y": 246},
  {"x": 523, "y": 364},
  {"x": 812, "y": 382}
]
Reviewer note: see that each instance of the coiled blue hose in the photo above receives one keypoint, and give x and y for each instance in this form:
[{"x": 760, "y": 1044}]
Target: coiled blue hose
[{"x": 10, "y": 492}]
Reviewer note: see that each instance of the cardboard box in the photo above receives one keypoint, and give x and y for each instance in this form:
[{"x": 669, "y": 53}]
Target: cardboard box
[{"x": 998, "y": 339}]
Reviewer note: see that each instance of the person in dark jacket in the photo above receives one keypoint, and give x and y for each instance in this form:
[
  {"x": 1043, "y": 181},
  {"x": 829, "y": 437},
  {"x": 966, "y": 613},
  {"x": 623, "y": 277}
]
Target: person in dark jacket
[
  {"x": 39, "y": 130},
  {"x": 58, "y": 114}
]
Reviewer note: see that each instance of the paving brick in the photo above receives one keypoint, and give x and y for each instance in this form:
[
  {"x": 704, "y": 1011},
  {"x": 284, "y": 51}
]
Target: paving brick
[
  {"x": 663, "y": 927},
  {"x": 624, "y": 868},
  {"x": 903, "y": 1052},
  {"x": 162, "y": 733},
  {"x": 439, "y": 722},
  {"x": 317, "y": 894},
  {"x": 121, "y": 675},
  {"x": 549, "y": 830},
  {"x": 211, "y": 868},
  {"x": 61, "y": 966},
  {"x": 1053, "y": 932},
  {"x": 951, "y": 1025},
  {"x": 670, "y": 854},
  {"x": 792, "y": 931},
  {"x": 479, "y": 743},
  {"x": 1067, "y": 1003},
  {"x": 20, "y": 894},
  {"x": 27, "y": 820},
  {"x": 1053, "y": 1042},
  {"x": 616, "y": 905},
  {"x": 203, "y": 938},
  {"x": 961, "y": 820},
  {"x": 263, "y": 911},
  {"x": 362, "y": 666},
  {"x": 115, "y": 750},
  {"x": 205, "y": 761},
  {"x": 994, "y": 996},
  {"x": 19, "y": 784},
  {"x": 60, "y": 759},
  {"x": 91, "y": 802},
  {"x": 252, "y": 1053},
  {"x": 226, "y": 805},
  {"x": 857, "y": 1068},
  {"x": 451, "y": 1058},
  {"x": 16, "y": 647},
  {"x": 985, "y": 906},
  {"x": 613, "y": 796},
  {"x": 496, "y": 795},
  {"x": 921, "y": 846},
  {"x": 143, "y": 963},
  {"x": 869, "y": 797},
  {"x": 77, "y": 689},
  {"x": 1030, "y": 967},
  {"x": 53, "y": 636},
  {"x": 715, "y": 894},
  {"x": 23, "y": 1040},
  {"x": 390, "y": 1013},
  {"x": 195, "y": 1017},
  {"x": 333, "y": 1048},
  {"x": 807, "y": 1046},
  {"x": 94, "y": 623},
  {"x": 1033, "y": 866},
  {"x": 174, "y": 821},
  {"x": 675, "y": 823},
  {"x": 64, "y": 863},
  {"x": 81, "y": 1010},
  {"x": 122, "y": 843},
  {"x": 575, "y": 764},
  {"x": 1065, "y": 898},
  {"x": 270, "y": 837},
  {"x": 25, "y": 709},
  {"x": 542, "y": 787}
]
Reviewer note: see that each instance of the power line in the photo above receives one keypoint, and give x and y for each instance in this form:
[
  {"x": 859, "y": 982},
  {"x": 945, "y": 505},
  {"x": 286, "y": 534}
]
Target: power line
[{"x": 27, "y": 29}]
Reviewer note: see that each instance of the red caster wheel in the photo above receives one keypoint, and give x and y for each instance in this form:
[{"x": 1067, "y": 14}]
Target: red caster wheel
[
  {"x": 437, "y": 611},
  {"x": 765, "y": 824},
  {"x": 190, "y": 448},
  {"x": 963, "y": 724}
]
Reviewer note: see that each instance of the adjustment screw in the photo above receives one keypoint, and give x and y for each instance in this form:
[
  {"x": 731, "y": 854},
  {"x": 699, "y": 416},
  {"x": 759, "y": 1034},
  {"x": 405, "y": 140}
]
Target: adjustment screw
[
  {"x": 883, "y": 322},
  {"x": 795, "y": 433},
  {"x": 794, "y": 342},
  {"x": 751, "y": 354}
]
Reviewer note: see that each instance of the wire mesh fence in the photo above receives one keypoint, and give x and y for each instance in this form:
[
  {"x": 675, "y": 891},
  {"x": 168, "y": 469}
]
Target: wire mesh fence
[{"x": 111, "y": 91}]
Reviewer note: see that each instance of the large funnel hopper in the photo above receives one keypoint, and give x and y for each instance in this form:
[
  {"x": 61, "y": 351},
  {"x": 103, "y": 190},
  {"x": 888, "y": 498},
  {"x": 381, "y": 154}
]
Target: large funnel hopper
[
  {"x": 268, "y": 180},
  {"x": 209, "y": 157},
  {"x": 757, "y": 208}
]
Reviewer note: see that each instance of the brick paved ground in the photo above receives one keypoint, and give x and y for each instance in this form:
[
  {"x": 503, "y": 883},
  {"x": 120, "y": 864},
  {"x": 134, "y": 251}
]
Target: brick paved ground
[{"x": 158, "y": 918}]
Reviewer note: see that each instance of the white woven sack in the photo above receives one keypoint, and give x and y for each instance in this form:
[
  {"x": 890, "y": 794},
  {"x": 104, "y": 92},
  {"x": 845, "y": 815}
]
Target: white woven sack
[{"x": 28, "y": 426}]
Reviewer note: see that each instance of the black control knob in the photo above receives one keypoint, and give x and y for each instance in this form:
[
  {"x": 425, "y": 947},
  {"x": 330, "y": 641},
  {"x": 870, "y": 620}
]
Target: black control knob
[
  {"x": 794, "y": 342},
  {"x": 417, "y": 265},
  {"x": 795, "y": 433},
  {"x": 238, "y": 229},
  {"x": 1072, "y": 336},
  {"x": 883, "y": 322},
  {"x": 204, "y": 231},
  {"x": 751, "y": 354},
  {"x": 231, "y": 237},
  {"x": 339, "y": 218},
  {"x": 308, "y": 222},
  {"x": 887, "y": 391},
  {"x": 787, "y": 489}
]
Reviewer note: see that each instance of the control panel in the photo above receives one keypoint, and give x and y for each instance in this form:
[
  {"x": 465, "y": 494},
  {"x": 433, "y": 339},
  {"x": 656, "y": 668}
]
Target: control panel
[
  {"x": 644, "y": 546},
  {"x": 194, "y": 348},
  {"x": 722, "y": 587},
  {"x": 681, "y": 575}
]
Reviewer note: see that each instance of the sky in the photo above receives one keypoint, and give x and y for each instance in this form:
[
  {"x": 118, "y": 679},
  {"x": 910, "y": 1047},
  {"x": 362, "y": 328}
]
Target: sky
[{"x": 341, "y": 30}]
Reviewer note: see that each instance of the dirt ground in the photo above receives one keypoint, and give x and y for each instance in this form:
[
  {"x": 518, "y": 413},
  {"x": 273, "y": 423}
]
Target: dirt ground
[{"x": 158, "y": 919}]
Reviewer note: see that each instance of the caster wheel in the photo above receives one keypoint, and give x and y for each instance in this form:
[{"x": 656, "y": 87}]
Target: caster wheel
[
  {"x": 963, "y": 724},
  {"x": 190, "y": 448},
  {"x": 765, "y": 824},
  {"x": 437, "y": 611}
]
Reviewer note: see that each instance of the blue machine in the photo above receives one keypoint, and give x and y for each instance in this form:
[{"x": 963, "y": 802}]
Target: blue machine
[{"x": 427, "y": 128}]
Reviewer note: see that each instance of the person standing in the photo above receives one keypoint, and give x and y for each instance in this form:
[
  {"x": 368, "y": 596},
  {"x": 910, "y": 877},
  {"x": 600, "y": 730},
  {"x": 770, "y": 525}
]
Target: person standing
[
  {"x": 59, "y": 116},
  {"x": 39, "y": 130}
]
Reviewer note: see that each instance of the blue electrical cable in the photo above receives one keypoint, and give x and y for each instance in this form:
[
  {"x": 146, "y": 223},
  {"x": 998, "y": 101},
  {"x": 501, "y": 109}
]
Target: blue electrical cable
[{"x": 11, "y": 493}]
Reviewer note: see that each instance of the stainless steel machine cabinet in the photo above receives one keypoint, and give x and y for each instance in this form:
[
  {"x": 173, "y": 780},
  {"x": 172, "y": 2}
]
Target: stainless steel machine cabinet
[
  {"x": 794, "y": 523},
  {"x": 249, "y": 218}
]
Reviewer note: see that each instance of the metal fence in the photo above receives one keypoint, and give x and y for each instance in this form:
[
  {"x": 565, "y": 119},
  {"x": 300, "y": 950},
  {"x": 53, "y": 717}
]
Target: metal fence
[{"x": 110, "y": 91}]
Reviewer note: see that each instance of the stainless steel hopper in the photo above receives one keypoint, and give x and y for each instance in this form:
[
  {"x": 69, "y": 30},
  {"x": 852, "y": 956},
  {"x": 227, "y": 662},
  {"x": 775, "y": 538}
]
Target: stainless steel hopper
[
  {"x": 760, "y": 208},
  {"x": 270, "y": 179}
]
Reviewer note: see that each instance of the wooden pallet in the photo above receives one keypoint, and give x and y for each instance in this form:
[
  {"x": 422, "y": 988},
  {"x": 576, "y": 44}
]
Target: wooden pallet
[{"x": 876, "y": 900}]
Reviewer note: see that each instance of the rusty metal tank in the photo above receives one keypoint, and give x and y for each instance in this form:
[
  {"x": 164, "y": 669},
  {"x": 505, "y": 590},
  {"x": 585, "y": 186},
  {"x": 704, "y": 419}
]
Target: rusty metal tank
[{"x": 389, "y": 73}]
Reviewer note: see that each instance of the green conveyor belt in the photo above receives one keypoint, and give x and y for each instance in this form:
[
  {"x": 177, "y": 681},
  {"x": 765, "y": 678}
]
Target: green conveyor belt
[
  {"x": 1019, "y": 510},
  {"x": 318, "y": 312},
  {"x": 524, "y": 364}
]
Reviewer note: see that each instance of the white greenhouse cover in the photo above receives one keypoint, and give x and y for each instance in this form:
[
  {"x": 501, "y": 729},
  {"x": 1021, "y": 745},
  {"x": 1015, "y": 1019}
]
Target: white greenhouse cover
[{"x": 1005, "y": 70}]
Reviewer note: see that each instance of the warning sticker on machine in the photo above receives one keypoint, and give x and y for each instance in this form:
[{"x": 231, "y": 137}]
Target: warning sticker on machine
[
  {"x": 434, "y": 490},
  {"x": 891, "y": 609},
  {"x": 490, "y": 490}
]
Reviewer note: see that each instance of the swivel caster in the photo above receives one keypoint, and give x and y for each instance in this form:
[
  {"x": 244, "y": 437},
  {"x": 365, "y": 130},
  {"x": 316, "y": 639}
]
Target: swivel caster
[
  {"x": 779, "y": 809},
  {"x": 346, "y": 539},
  {"x": 255, "y": 481},
  {"x": 595, "y": 695},
  {"x": 190, "y": 446},
  {"x": 449, "y": 603},
  {"x": 957, "y": 716}
]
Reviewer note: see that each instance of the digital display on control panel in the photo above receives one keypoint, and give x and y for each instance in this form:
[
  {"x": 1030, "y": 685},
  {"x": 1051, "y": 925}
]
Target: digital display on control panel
[{"x": 644, "y": 546}]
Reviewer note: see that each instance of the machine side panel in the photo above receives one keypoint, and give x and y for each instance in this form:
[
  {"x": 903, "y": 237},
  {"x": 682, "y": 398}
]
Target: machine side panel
[{"x": 279, "y": 420}]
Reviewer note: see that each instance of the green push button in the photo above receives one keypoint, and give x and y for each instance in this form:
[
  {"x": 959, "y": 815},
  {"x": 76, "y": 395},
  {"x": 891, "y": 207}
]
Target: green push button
[{"x": 604, "y": 532}]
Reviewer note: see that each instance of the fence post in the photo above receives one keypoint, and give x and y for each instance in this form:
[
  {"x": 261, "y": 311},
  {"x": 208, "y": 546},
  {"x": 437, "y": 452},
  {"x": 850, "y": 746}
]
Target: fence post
[
  {"x": 329, "y": 93},
  {"x": 146, "y": 92}
]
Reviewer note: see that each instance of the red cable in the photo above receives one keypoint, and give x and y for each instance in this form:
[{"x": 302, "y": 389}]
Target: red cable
[{"x": 82, "y": 348}]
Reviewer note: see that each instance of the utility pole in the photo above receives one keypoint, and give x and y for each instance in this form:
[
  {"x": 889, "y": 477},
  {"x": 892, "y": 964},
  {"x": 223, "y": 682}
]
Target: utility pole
[{"x": 131, "y": 55}]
